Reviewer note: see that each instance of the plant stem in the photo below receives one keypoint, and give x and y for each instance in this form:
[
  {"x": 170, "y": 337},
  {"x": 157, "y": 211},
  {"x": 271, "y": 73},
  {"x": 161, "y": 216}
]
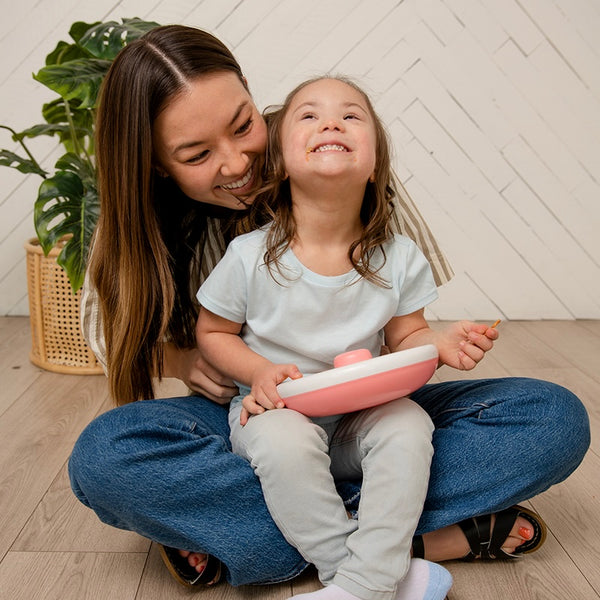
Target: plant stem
[
  {"x": 71, "y": 126},
  {"x": 79, "y": 150},
  {"x": 16, "y": 137}
]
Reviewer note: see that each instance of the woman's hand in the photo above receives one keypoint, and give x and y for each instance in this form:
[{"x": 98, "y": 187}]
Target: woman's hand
[
  {"x": 189, "y": 366},
  {"x": 463, "y": 344},
  {"x": 263, "y": 395}
]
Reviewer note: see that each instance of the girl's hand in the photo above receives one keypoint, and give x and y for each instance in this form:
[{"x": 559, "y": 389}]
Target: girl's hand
[
  {"x": 263, "y": 394},
  {"x": 463, "y": 344},
  {"x": 189, "y": 366}
]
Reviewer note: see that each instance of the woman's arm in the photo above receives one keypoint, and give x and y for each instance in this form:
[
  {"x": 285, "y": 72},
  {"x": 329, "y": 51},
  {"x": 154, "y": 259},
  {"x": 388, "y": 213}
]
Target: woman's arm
[
  {"x": 460, "y": 345},
  {"x": 188, "y": 365}
]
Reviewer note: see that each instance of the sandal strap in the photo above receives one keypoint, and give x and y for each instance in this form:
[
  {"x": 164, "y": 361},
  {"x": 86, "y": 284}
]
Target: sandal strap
[
  {"x": 477, "y": 532},
  {"x": 505, "y": 520}
]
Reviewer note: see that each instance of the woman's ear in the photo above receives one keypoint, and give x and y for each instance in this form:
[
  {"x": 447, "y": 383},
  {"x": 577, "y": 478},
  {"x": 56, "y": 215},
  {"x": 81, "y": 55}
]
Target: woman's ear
[
  {"x": 372, "y": 177},
  {"x": 160, "y": 171}
]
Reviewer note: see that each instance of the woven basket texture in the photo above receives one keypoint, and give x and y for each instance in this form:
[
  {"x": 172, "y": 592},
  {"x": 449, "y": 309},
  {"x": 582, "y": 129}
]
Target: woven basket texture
[{"x": 57, "y": 341}]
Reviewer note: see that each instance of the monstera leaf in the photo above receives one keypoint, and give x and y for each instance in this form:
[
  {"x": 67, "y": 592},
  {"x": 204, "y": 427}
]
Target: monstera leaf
[
  {"x": 105, "y": 40},
  {"x": 77, "y": 79},
  {"x": 67, "y": 205}
]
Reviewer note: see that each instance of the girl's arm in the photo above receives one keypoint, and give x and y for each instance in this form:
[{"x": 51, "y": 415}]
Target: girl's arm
[
  {"x": 220, "y": 343},
  {"x": 460, "y": 345}
]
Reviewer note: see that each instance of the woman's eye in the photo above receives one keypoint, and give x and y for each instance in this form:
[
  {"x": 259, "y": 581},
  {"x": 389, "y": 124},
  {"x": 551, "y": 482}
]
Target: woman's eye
[
  {"x": 198, "y": 157},
  {"x": 245, "y": 127}
]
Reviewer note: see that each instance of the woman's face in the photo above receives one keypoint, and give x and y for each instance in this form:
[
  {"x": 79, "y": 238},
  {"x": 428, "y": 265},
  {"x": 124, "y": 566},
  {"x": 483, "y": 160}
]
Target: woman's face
[{"x": 211, "y": 140}]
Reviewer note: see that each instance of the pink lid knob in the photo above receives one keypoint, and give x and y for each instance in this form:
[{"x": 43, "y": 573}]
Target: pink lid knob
[{"x": 349, "y": 358}]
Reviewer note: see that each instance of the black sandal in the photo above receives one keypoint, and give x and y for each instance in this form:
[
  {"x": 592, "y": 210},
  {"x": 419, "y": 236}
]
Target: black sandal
[
  {"x": 486, "y": 545},
  {"x": 185, "y": 574}
]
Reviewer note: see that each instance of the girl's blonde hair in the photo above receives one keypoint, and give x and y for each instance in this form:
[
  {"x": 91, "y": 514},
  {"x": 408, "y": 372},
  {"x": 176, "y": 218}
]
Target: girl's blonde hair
[{"x": 274, "y": 203}]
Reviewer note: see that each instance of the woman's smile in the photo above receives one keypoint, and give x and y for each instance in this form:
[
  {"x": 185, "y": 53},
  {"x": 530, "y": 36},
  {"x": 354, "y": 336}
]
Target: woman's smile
[{"x": 240, "y": 183}]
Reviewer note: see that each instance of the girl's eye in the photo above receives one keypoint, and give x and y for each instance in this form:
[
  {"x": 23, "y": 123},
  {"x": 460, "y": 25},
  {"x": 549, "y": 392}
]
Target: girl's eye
[
  {"x": 245, "y": 127},
  {"x": 307, "y": 116},
  {"x": 350, "y": 116}
]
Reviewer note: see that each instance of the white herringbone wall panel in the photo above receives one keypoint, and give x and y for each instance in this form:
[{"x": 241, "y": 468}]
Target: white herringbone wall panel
[{"x": 493, "y": 107}]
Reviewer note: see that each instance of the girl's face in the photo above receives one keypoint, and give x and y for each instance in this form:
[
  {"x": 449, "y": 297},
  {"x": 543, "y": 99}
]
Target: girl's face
[
  {"x": 328, "y": 131},
  {"x": 211, "y": 140}
]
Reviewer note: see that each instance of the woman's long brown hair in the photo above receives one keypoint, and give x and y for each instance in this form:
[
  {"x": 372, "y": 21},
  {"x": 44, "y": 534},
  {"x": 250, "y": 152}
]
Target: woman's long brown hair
[
  {"x": 147, "y": 249},
  {"x": 274, "y": 203}
]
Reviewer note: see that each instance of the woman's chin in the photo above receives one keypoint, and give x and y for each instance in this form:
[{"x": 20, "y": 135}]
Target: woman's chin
[{"x": 237, "y": 201}]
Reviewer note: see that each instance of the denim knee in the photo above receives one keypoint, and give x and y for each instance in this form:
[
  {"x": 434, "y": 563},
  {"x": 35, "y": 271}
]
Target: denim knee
[
  {"x": 91, "y": 464},
  {"x": 564, "y": 419}
]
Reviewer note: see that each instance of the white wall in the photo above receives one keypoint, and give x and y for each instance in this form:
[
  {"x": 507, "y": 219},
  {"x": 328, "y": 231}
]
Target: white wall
[{"x": 493, "y": 105}]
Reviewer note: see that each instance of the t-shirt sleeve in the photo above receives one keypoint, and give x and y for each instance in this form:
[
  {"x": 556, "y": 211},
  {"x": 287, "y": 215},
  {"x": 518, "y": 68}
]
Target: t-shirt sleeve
[
  {"x": 91, "y": 321},
  {"x": 224, "y": 292},
  {"x": 417, "y": 288}
]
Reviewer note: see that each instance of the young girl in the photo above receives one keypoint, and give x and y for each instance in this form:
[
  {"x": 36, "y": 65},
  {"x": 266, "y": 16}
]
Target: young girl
[{"x": 324, "y": 277}]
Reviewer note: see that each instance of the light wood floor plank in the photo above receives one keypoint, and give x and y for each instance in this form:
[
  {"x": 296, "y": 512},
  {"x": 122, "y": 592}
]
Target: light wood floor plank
[
  {"x": 16, "y": 372},
  {"x": 518, "y": 348},
  {"x": 580, "y": 347},
  {"x": 70, "y": 576},
  {"x": 38, "y": 432}
]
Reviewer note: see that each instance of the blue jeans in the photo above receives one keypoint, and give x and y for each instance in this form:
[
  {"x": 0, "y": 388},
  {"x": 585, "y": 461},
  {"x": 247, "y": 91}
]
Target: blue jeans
[{"x": 164, "y": 468}]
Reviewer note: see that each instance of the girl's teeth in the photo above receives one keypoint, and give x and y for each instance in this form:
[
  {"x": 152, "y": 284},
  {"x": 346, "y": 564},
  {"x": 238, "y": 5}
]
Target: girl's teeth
[
  {"x": 331, "y": 147},
  {"x": 239, "y": 183}
]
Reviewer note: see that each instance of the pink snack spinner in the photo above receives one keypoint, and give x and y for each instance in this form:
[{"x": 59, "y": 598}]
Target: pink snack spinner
[{"x": 359, "y": 381}]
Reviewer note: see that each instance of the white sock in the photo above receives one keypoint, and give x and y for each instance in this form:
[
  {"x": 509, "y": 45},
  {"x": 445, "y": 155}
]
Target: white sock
[
  {"x": 331, "y": 592},
  {"x": 425, "y": 580}
]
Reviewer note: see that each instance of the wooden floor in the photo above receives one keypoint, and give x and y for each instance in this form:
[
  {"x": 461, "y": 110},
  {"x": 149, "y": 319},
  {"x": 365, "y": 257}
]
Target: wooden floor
[{"x": 53, "y": 548}]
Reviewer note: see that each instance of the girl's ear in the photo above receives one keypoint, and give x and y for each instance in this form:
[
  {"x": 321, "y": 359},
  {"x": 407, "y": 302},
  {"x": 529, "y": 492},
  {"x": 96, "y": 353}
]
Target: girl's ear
[{"x": 372, "y": 177}]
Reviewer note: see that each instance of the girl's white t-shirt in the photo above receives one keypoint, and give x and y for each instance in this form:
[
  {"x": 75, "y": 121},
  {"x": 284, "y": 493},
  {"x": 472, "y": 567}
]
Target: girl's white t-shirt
[{"x": 305, "y": 318}]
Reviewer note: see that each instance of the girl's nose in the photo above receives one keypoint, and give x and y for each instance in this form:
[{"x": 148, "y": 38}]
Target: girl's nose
[{"x": 332, "y": 124}]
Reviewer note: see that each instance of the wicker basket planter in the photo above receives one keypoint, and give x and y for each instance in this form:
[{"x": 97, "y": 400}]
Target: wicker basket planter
[{"x": 57, "y": 342}]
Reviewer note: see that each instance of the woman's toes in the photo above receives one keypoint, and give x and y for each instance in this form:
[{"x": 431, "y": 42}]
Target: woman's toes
[
  {"x": 526, "y": 533},
  {"x": 198, "y": 561},
  {"x": 195, "y": 559},
  {"x": 520, "y": 533}
]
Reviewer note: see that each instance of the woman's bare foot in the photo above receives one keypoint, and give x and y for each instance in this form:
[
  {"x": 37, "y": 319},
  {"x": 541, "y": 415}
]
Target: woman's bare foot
[{"x": 450, "y": 542}]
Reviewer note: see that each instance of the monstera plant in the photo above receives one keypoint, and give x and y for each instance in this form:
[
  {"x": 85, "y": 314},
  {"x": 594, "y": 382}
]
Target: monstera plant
[{"x": 67, "y": 205}]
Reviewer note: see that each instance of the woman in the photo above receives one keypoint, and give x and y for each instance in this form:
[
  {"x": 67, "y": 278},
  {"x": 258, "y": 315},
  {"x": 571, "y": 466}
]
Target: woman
[{"x": 180, "y": 146}]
